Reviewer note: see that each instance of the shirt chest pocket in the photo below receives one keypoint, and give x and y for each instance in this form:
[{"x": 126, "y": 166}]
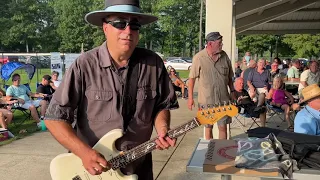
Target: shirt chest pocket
[
  {"x": 146, "y": 99},
  {"x": 99, "y": 105},
  {"x": 223, "y": 70}
]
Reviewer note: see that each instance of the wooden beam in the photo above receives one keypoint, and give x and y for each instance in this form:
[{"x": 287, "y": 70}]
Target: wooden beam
[
  {"x": 249, "y": 5},
  {"x": 270, "y": 14},
  {"x": 309, "y": 10},
  {"x": 295, "y": 21},
  {"x": 280, "y": 32}
]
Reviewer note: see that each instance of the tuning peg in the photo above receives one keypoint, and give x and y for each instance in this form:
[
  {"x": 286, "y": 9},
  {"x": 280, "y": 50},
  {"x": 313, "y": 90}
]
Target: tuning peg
[
  {"x": 202, "y": 113},
  {"x": 219, "y": 104},
  {"x": 224, "y": 109},
  {"x": 229, "y": 103},
  {"x": 202, "y": 106},
  {"x": 224, "y": 103},
  {"x": 208, "y": 112},
  {"x": 208, "y": 105},
  {"x": 229, "y": 108},
  {"x": 212, "y": 111},
  {"x": 218, "y": 110}
]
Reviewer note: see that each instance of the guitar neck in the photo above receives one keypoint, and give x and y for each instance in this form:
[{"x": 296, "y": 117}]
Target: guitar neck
[{"x": 133, "y": 154}]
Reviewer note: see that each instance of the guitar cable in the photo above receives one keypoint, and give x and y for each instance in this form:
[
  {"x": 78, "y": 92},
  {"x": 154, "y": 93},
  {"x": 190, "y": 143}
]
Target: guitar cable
[{"x": 170, "y": 156}]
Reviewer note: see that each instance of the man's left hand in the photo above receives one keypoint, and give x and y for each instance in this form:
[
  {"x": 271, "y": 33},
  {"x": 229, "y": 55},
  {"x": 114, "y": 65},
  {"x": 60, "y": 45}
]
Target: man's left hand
[{"x": 164, "y": 141}]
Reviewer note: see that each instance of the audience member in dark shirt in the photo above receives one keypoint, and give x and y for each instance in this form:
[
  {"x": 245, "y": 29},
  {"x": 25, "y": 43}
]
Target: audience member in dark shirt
[
  {"x": 45, "y": 87},
  {"x": 244, "y": 101},
  {"x": 245, "y": 73}
]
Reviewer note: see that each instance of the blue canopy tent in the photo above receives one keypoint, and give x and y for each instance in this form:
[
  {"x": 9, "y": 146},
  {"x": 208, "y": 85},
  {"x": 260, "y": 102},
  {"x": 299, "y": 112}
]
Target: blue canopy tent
[{"x": 9, "y": 68}]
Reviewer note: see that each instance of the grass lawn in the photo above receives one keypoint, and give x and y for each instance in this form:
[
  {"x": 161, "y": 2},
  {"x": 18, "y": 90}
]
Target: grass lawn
[
  {"x": 29, "y": 125},
  {"x": 183, "y": 74}
]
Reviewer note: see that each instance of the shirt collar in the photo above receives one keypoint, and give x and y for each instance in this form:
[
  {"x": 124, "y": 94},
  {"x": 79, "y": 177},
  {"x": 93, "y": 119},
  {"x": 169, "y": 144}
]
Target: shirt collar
[
  {"x": 104, "y": 55},
  {"x": 313, "y": 111}
]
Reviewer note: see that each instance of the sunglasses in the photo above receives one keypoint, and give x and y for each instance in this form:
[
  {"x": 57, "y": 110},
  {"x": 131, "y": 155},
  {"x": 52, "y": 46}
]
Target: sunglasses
[{"x": 122, "y": 25}]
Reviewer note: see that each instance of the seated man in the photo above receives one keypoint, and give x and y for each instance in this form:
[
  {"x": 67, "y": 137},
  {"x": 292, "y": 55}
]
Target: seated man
[
  {"x": 22, "y": 93},
  {"x": 259, "y": 83},
  {"x": 307, "y": 121},
  {"x": 45, "y": 87},
  {"x": 244, "y": 101},
  {"x": 293, "y": 72}
]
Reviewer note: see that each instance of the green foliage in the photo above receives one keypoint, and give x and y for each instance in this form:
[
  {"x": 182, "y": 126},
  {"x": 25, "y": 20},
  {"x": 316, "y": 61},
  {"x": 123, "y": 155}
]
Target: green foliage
[{"x": 305, "y": 45}]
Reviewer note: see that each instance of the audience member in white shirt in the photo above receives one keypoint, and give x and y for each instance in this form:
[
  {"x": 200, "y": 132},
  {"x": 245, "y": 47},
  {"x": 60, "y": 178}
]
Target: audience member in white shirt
[{"x": 55, "y": 82}]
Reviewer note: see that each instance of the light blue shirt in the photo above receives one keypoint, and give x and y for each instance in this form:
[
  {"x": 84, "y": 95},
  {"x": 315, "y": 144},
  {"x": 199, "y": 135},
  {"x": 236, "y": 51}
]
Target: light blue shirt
[
  {"x": 20, "y": 91},
  {"x": 307, "y": 121}
]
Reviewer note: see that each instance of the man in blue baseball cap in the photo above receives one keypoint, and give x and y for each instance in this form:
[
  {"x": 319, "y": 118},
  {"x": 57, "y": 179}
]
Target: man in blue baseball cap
[{"x": 116, "y": 86}]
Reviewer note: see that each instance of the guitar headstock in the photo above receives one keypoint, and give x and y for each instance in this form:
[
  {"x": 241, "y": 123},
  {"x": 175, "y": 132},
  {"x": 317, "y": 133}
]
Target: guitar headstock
[{"x": 212, "y": 114}]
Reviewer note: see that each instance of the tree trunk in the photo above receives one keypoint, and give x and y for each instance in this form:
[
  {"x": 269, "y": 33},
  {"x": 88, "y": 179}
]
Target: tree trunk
[
  {"x": 27, "y": 46},
  {"x": 200, "y": 25}
]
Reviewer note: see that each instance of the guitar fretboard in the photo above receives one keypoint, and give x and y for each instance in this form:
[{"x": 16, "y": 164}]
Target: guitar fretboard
[{"x": 145, "y": 148}]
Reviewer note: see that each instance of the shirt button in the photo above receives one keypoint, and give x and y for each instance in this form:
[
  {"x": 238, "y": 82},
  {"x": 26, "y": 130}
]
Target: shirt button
[{"x": 97, "y": 97}]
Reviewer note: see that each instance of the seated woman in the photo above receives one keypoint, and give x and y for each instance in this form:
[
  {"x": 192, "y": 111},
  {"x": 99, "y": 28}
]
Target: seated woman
[
  {"x": 6, "y": 115},
  {"x": 178, "y": 84},
  {"x": 282, "y": 99}
]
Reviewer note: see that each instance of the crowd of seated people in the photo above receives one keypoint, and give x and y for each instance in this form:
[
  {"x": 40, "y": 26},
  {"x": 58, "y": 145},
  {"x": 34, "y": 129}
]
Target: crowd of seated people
[
  {"x": 24, "y": 97},
  {"x": 268, "y": 85}
]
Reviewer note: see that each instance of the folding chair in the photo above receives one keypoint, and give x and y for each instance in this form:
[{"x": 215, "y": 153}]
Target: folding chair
[
  {"x": 242, "y": 115},
  {"x": 26, "y": 112}
]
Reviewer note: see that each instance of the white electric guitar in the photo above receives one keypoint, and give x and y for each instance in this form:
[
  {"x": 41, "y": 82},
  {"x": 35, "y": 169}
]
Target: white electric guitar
[{"x": 69, "y": 166}]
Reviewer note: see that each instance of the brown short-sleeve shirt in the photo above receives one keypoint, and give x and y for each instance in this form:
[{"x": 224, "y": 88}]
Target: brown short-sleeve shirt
[
  {"x": 213, "y": 77},
  {"x": 94, "y": 87}
]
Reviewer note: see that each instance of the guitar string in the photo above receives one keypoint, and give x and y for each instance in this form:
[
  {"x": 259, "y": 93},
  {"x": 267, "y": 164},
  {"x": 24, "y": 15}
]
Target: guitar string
[{"x": 141, "y": 149}]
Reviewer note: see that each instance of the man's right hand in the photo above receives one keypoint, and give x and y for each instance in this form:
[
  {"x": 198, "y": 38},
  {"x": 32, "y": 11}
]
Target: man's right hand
[
  {"x": 21, "y": 101},
  {"x": 94, "y": 162},
  {"x": 190, "y": 103}
]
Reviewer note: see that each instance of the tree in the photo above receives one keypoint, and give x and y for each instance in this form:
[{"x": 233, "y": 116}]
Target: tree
[
  {"x": 304, "y": 45},
  {"x": 72, "y": 27}
]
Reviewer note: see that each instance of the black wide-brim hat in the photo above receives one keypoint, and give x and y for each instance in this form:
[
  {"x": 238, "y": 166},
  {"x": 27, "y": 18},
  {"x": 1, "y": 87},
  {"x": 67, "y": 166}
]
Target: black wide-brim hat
[{"x": 114, "y": 7}]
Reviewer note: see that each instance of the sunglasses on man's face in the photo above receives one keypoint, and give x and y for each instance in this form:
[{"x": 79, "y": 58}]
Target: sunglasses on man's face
[{"x": 122, "y": 25}]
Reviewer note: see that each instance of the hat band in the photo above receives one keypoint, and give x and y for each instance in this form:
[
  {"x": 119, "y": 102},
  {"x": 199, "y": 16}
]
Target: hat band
[{"x": 123, "y": 8}]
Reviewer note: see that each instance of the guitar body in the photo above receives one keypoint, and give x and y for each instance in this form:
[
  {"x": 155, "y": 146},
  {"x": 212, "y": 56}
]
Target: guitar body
[{"x": 69, "y": 166}]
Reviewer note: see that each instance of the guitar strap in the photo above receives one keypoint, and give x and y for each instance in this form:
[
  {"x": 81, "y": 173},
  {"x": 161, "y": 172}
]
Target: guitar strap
[{"x": 129, "y": 100}]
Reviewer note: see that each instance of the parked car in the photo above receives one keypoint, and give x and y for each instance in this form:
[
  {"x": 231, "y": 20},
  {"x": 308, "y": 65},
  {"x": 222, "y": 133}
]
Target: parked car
[
  {"x": 5, "y": 59},
  {"x": 179, "y": 64}
]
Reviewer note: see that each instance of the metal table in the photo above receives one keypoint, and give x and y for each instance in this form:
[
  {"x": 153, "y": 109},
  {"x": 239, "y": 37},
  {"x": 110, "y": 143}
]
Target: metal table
[
  {"x": 196, "y": 160},
  {"x": 291, "y": 82}
]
